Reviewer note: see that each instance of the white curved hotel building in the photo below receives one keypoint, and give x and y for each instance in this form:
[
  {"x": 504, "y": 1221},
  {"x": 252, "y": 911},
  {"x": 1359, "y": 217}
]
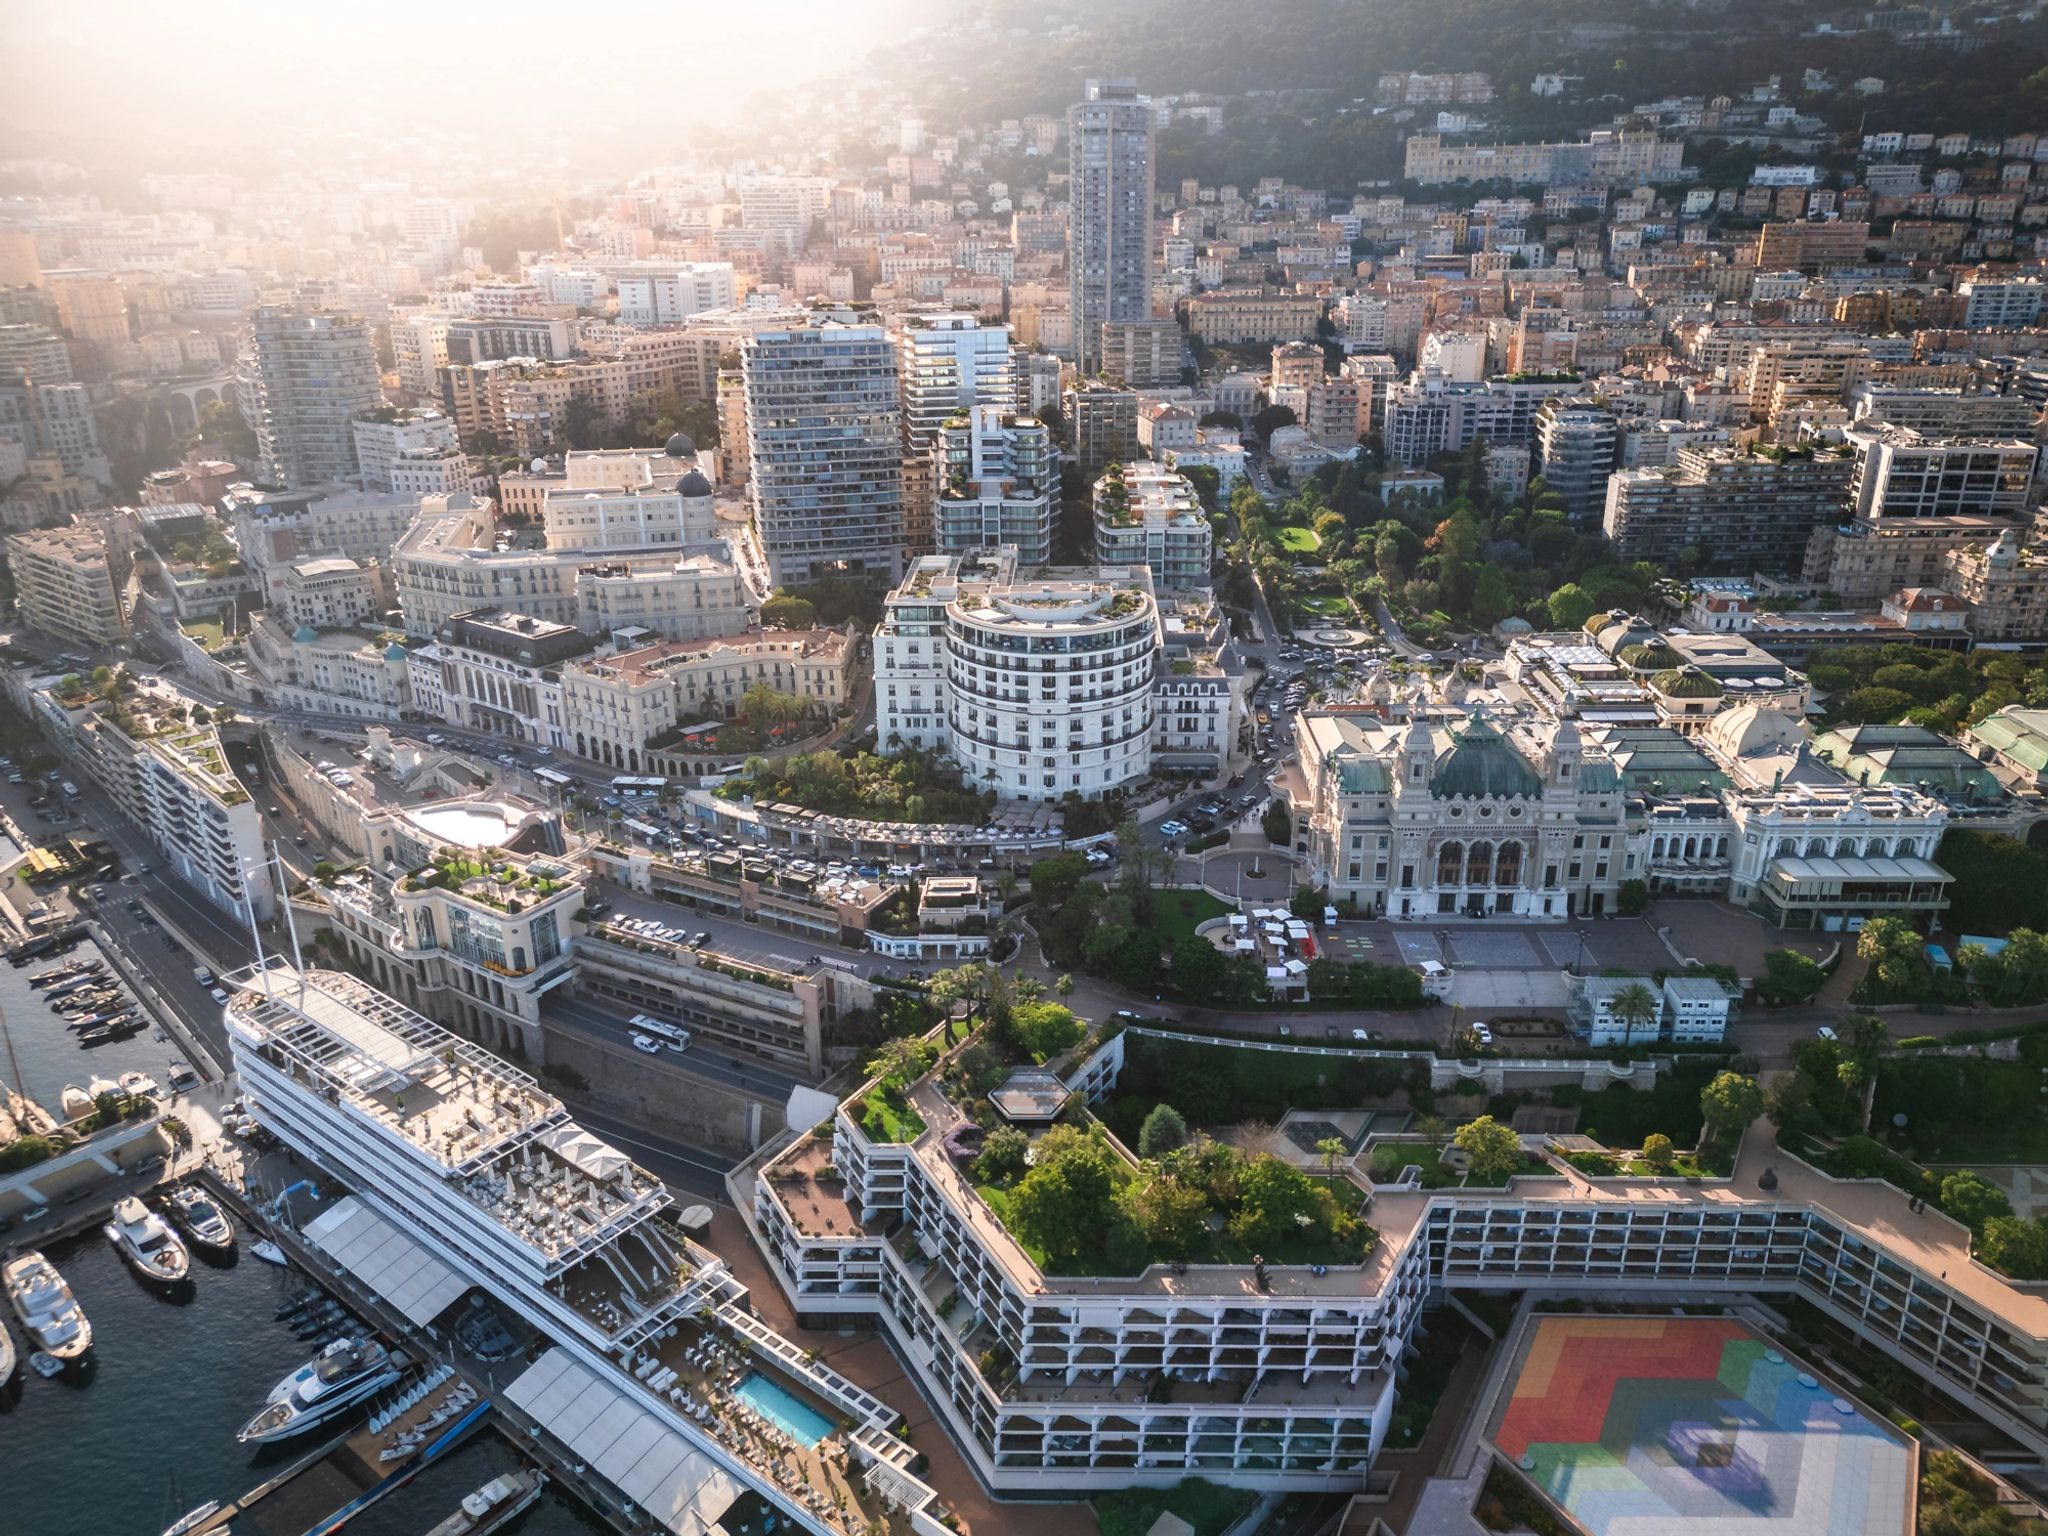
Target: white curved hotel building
[{"x": 1040, "y": 685}]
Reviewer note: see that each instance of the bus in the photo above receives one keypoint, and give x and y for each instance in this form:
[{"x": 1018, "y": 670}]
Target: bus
[
  {"x": 554, "y": 778},
  {"x": 626, "y": 784},
  {"x": 673, "y": 1036}
]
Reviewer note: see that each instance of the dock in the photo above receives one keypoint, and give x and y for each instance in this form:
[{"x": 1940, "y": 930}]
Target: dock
[{"x": 328, "y": 1487}]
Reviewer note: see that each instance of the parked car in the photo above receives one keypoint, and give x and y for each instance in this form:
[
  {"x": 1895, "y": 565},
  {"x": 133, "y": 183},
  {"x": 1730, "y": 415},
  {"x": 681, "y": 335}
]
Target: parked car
[{"x": 1173, "y": 829}]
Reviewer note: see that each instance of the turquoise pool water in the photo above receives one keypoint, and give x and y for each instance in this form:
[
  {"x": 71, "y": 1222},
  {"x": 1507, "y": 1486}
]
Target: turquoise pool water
[{"x": 784, "y": 1409}]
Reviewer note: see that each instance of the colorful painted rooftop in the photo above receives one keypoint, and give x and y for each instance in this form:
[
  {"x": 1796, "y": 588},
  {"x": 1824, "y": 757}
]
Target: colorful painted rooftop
[{"x": 1694, "y": 1426}]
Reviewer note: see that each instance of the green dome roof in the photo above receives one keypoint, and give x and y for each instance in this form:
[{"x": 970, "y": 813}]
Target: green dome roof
[
  {"x": 304, "y": 633},
  {"x": 1686, "y": 683},
  {"x": 1480, "y": 765},
  {"x": 394, "y": 652},
  {"x": 1650, "y": 658}
]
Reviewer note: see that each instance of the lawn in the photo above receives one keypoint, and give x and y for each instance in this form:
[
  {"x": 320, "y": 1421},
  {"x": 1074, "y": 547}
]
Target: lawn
[
  {"x": 1323, "y": 605},
  {"x": 887, "y": 1118},
  {"x": 1208, "y": 1507},
  {"x": 1966, "y": 1110},
  {"x": 1390, "y": 1157},
  {"x": 1298, "y": 541},
  {"x": 1178, "y": 913},
  {"x": 209, "y": 633}
]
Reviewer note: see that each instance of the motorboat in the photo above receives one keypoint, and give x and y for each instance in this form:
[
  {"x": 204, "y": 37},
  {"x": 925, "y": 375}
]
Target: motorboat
[
  {"x": 269, "y": 1252},
  {"x": 495, "y": 1504},
  {"x": 145, "y": 1240},
  {"x": 8, "y": 1358},
  {"x": 344, "y": 1375},
  {"x": 193, "y": 1519},
  {"x": 74, "y": 1101},
  {"x": 139, "y": 1085},
  {"x": 202, "y": 1220},
  {"x": 45, "y": 1365},
  {"x": 49, "y": 1313}
]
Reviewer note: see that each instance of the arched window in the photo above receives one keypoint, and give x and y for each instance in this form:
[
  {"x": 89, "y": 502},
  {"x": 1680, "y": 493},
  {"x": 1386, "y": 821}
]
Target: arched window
[
  {"x": 1507, "y": 867},
  {"x": 1450, "y": 863},
  {"x": 1479, "y": 864},
  {"x": 1816, "y": 847},
  {"x": 1786, "y": 847}
]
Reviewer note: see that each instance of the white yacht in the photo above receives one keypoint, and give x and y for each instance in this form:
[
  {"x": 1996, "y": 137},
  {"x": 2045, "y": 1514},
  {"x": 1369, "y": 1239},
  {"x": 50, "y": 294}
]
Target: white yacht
[
  {"x": 202, "y": 1218},
  {"x": 495, "y": 1504},
  {"x": 146, "y": 1241},
  {"x": 8, "y": 1359},
  {"x": 344, "y": 1374},
  {"x": 49, "y": 1313}
]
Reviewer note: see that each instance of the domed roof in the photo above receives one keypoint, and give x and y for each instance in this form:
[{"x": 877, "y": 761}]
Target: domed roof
[
  {"x": 394, "y": 652},
  {"x": 304, "y": 633},
  {"x": 1650, "y": 656},
  {"x": 1686, "y": 683},
  {"x": 682, "y": 446},
  {"x": 1482, "y": 764},
  {"x": 1749, "y": 730},
  {"x": 693, "y": 484}
]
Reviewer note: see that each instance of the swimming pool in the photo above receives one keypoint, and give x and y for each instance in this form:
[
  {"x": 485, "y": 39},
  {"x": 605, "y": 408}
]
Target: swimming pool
[{"x": 784, "y": 1409}]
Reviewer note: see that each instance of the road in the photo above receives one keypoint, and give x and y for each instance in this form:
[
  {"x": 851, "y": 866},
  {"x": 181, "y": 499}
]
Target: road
[
  {"x": 604, "y": 1021},
  {"x": 679, "y": 1165}
]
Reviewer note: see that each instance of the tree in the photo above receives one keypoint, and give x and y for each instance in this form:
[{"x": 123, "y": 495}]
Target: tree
[
  {"x": 785, "y": 611},
  {"x": 1491, "y": 600},
  {"x": 1871, "y": 706},
  {"x": 1433, "y": 1129},
  {"x": 2000, "y": 883},
  {"x": 1973, "y": 1199},
  {"x": 1895, "y": 954},
  {"x": 1789, "y": 977},
  {"x": 902, "y": 1061},
  {"x": 1172, "y": 1214},
  {"x": 1277, "y": 1203},
  {"x": 1053, "y": 880},
  {"x": 1198, "y": 967},
  {"x": 1636, "y": 1006},
  {"x": 1268, "y": 421},
  {"x": 1492, "y": 1151},
  {"x": 1571, "y": 606},
  {"x": 1066, "y": 1202},
  {"x": 1064, "y": 985},
  {"x": 2016, "y": 1246},
  {"x": 1278, "y": 823},
  {"x": 1631, "y": 898},
  {"x": 1331, "y": 1150},
  {"x": 1004, "y": 1156},
  {"x": 1042, "y": 1030},
  {"x": 1657, "y": 1151},
  {"x": 1728, "y": 1104},
  {"x": 1164, "y": 1131}
]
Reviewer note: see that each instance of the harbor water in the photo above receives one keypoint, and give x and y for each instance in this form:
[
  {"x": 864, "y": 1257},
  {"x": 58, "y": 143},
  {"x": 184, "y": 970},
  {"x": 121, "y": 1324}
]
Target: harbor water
[
  {"x": 48, "y": 1056},
  {"x": 149, "y": 1432}
]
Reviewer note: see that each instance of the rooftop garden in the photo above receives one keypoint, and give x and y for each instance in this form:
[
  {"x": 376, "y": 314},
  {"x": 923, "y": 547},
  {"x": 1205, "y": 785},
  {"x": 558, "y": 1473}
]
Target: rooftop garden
[{"x": 489, "y": 878}]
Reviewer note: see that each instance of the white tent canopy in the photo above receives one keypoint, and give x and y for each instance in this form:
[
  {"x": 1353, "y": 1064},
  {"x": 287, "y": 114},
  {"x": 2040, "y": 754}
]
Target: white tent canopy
[
  {"x": 594, "y": 1156},
  {"x": 386, "y": 1260}
]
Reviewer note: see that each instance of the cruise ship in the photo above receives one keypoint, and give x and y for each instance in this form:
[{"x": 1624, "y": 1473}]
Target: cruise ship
[
  {"x": 147, "y": 1243},
  {"x": 464, "y": 1173},
  {"x": 344, "y": 1374},
  {"x": 49, "y": 1313}
]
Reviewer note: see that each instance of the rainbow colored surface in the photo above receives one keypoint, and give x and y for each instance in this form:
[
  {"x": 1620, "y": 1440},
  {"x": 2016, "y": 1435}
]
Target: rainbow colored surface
[{"x": 1694, "y": 1426}]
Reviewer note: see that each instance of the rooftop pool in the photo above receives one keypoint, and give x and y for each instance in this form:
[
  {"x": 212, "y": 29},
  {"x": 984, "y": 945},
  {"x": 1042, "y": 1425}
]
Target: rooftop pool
[{"x": 784, "y": 1409}]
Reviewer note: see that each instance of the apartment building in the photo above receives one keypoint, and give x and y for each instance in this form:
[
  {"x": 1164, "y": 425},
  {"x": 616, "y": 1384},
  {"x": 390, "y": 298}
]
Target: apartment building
[
  {"x": 1901, "y": 473},
  {"x": 1149, "y": 515},
  {"x": 1429, "y": 414},
  {"x": 622, "y": 708},
  {"x": 1102, "y": 423},
  {"x": 413, "y": 452},
  {"x": 997, "y": 478},
  {"x": 1721, "y": 510},
  {"x": 171, "y": 779},
  {"x": 1578, "y": 444},
  {"x": 325, "y": 593},
  {"x": 64, "y": 580},
  {"x": 305, "y": 378},
  {"x": 1109, "y": 214},
  {"x": 1608, "y": 157},
  {"x": 500, "y": 671},
  {"x": 470, "y": 339},
  {"x": 1253, "y": 316},
  {"x": 1142, "y": 353},
  {"x": 669, "y": 293},
  {"x": 824, "y": 451}
]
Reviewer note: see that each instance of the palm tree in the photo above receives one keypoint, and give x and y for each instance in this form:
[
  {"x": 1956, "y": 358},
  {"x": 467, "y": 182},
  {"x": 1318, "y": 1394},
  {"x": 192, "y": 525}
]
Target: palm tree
[
  {"x": 1635, "y": 1005},
  {"x": 1330, "y": 1148},
  {"x": 1435, "y": 1130}
]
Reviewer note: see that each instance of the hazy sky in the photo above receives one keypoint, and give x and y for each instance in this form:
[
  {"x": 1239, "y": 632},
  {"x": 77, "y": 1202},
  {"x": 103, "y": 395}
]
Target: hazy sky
[{"x": 131, "y": 80}]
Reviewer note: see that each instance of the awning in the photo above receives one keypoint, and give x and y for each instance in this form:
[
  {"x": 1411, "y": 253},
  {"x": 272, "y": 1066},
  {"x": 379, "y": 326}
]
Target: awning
[
  {"x": 594, "y": 1156},
  {"x": 1860, "y": 869},
  {"x": 394, "y": 1266},
  {"x": 627, "y": 1444}
]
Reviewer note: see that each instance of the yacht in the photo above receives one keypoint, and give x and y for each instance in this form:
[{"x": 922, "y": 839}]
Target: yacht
[
  {"x": 494, "y": 1504},
  {"x": 203, "y": 1221},
  {"x": 144, "y": 1239},
  {"x": 49, "y": 1313},
  {"x": 344, "y": 1374},
  {"x": 8, "y": 1359}
]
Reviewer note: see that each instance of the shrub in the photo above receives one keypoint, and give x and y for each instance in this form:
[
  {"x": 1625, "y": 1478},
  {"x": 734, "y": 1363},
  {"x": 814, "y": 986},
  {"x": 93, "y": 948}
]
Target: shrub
[{"x": 1163, "y": 1131}]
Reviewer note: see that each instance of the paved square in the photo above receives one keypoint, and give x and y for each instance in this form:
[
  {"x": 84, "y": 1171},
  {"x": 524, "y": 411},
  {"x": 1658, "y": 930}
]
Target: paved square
[
  {"x": 1694, "y": 1426},
  {"x": 1482, "y": 949}
]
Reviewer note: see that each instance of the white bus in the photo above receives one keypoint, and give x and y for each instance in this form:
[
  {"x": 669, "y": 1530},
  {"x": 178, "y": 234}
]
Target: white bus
[
  {"x": 628, "y": 784},
  {"x": 554, "y": 778},
  {"x": 673, "y": 1036}
]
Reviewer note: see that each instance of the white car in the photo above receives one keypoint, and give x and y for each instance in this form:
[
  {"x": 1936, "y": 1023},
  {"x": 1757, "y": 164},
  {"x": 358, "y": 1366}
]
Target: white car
[
  {"x": 1482, "y": 1034},
  {"x": 647, "y": 1044},
  {"x": 1173, "y": 829},
  {"x": 1098, "y": 856}
]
